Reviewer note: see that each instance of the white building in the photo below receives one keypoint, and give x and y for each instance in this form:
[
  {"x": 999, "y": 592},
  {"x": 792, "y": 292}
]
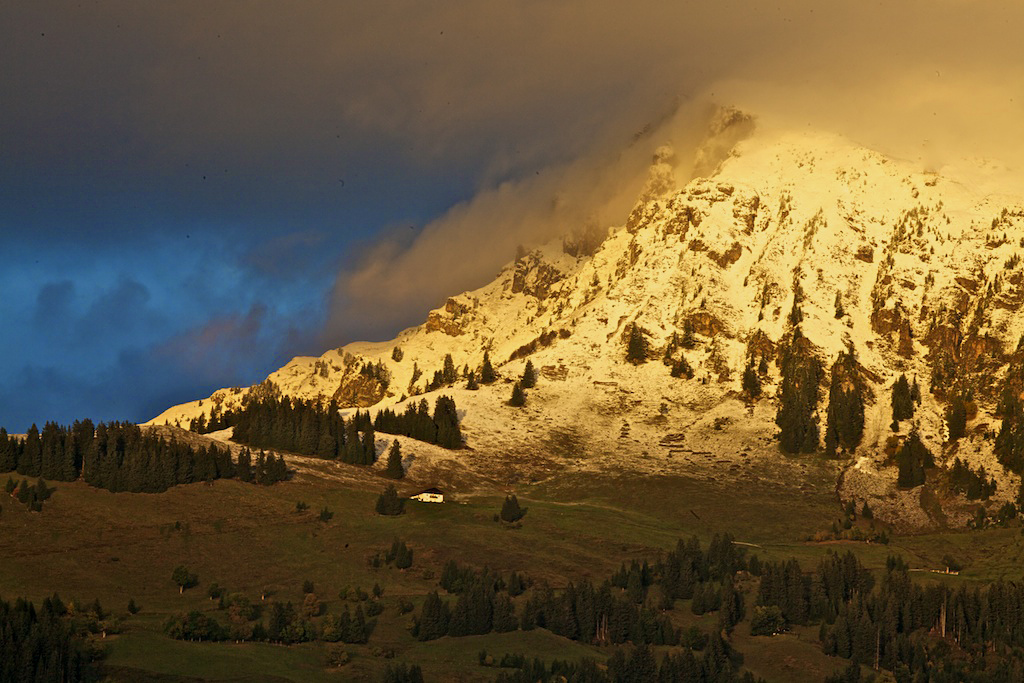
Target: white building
[{"x": 430, "y": 496}]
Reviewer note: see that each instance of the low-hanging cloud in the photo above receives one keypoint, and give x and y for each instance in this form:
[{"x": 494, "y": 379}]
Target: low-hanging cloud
[
  {"x": 932, "y": 82},
  {"x": 541, "y": 101}
]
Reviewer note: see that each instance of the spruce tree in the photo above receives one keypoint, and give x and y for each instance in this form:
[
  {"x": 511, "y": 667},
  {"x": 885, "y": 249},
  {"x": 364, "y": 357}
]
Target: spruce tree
[
  {"x": 902, "y": 403},
  {"x": 636, "y": 347},
  {"x": 446, "y": 423},
  {"x": 471, "y": 383},
  {"x": 798, "y": 404},
  {"x": 448, "y": 375},
  {"x": 388, "y": 502},
  {"x": 844, "y": 425},
  {"x": 912, "y": 459},
  {"x": 487, "y": 375},
  {"x": 394, "y": 469},
  {"x": 518, "y": 398},
  {"x": 956, "y": 418},
  {"x": 751, "y": 382},
  {"x": 510, "y": 510},
  {"x": 688, "y": 341},
  {"x": 529, "y": 379}
]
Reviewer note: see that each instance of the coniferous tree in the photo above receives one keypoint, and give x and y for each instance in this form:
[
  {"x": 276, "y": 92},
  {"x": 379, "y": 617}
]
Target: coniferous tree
[
  {"x": 394, "y": 469},
  {"x": 471, "y": 382},
  {"x": 510, "y": 510},
  {"x": 446, "y": 423},
  {"x": 389, "y": 503},
  {"x": 751, "y": 382},
  {"x": 844, "y": 425},
  {"x": 688, "y": 340},
  {"x": 956, "y": 418},
  {"x": 902, "y": 403},
  {"x": 840, "y": 311},
  {"x": 912, "y": 459},
  {"x": 798, "y": 404},
  {"x": 681, "y": 368},
  {"x": 518, "y": 398},
  {"x": 529, "y": 379},
  {"x": 448, "y": 375},
  {"x": 434, "y": 618},
  {"x": 636, "y": 347},
  {"x": 369, "y": 447},
  {"x": 487, "y": 375}
]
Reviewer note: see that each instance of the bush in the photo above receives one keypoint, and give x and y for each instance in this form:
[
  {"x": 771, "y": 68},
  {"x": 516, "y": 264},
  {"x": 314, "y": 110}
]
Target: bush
[{"x": 767, "y": 621}]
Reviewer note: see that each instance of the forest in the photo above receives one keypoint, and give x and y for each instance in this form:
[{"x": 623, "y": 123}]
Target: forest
[{"x": 121, "y": 456}]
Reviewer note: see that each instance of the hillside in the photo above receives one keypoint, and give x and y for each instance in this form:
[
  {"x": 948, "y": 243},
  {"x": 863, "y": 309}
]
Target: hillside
[{"x": 917, "y": 272}]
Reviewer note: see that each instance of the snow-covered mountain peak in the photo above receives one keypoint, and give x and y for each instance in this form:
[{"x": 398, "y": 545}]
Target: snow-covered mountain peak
[{"x": 918, "y": 273}]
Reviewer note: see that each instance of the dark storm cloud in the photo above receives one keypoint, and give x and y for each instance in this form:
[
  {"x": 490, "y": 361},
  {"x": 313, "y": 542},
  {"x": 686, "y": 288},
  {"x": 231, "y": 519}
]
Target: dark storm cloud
[
  {"x": 53, "y": 305},
  {"x": 261, "y": 140}
]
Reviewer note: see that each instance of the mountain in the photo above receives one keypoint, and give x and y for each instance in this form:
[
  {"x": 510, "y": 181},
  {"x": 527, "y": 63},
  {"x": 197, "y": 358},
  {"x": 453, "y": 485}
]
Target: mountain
[{"x": 918, "y": 273}]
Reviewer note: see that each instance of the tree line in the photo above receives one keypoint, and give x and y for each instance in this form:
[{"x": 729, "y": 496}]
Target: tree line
[
  {"x": 310, "y": 428},
  {"x": 616, "y": 611},
  {"x": 120, "y": 456},
  {"x": 440, "y": 428},
  {"x": 719, "y": 663}
]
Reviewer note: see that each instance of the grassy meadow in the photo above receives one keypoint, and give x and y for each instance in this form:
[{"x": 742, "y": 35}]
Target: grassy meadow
[{"x": 88, "y": 544}]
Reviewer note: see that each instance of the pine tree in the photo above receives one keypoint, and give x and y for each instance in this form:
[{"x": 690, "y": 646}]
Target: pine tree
[
  {"x": 388, "y": 502},
  {"x": 518, "y": 398},
  {"x": 912, "y": 459},
  {"x": 902, "y": 403},
  {"x": 688, "y": 341},
  {"x": 529, "y": 379},
  {"x": 471, "y": 383},
  {"x": 636, "y": 347},
  {"x": 751, "y": 382},
  {"x": 510, "y": 510},
  {"x": 797, "y": 415},
  {"x": 434, "y": 618},
  {"x": 448, "y": 375},
  {"x": 487, "y": 375},
  {"x": 956, "y": 418},
  {"x": 844, "y": 424},
  {"x": 394, "y": 469}
]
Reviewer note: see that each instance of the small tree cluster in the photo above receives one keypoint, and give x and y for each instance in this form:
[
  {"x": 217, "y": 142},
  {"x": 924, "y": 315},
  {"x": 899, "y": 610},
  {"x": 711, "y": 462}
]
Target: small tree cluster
[
  {"x": 844, "y": 424},
  {"x": 797, "y": 416},
  {"x": 912, "y": 459},
  {"x": 400, "y": 554}
]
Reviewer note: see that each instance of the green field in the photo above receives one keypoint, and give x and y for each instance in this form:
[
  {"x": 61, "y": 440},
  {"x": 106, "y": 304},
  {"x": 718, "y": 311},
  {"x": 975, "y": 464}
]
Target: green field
[{"x": 89, "y": 544}]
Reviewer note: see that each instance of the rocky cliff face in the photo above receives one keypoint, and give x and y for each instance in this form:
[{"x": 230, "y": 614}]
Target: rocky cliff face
[{"x": 918, "y": 273}]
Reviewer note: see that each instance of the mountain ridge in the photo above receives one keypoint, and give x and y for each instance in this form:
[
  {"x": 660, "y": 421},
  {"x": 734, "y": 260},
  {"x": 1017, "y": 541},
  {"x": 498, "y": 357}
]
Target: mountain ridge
[{"x": 925, "y": 269}]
